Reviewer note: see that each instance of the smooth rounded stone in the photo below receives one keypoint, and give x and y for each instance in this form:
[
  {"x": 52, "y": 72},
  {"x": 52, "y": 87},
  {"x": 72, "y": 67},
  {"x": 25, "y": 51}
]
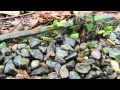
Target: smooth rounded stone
[
  {"x": 21, "y": 62},
  {"x": 36, "y": 77},
  {"x": 67, "y": 47},
  {"x": 53, "y": 75},
  {"x": 82, "y": 68},
  {"x": 90, "y": 61},
  {"x": 1, "y": 59},
  {"x": 36, "y": 54},
  {"x": 98, "y": 73},
  {"x": 94, "y": 67},
  {"x": 51, "y": 50},
  {"x": 83, "y": 46},
  {"x": 64, "y": 73},
  {"x": 113, "y": 76},
  {"x": 7, "y": 58},
  {"x": 60, "y": 60},
  {"x": 44, "y": 77},
  {"x": 70, "y": 65},
  {"x": 10, "y": 77},
  {"x": 6, "y": 51},
  {"x": 43, "y": 49},
  {"x": 112, "y": 36},
  {"x": 91, "y": 75},
  {"x": 53, "y": 65},
  {"x": 71, "y": 56},
  {"x": 77, "y": 47},
  {"x": 117, "y": 41},
  {"x": 22, "y": 45},
  {"x": 2, "y": 69},
  {"x": 35, "y": 64},
  {"x": 108, "y": 69},
  {"x": 69, "y": 41},
  {"x": 40, "y": 71},
  {"x": 61, "y": 53},
  {"x": 25, "y": 53},
  {"x": 96, "y": 54},
  {"x": 9, "y": 68},
  {"x": 74, "y": 75},
  {"x": 34, "y": 42}
]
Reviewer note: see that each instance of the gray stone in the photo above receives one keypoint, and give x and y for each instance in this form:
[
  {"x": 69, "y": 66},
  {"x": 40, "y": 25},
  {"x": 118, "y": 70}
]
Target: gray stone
[
  {"x": 98, "y": 73},
  {"x": 36, "y": 77},
  {"x": 25, "y": 53},
  {"x": 74, "y": 75},
  {"x": 60, "y": 60},
  {"x": 70, "y": 65},
  {"x": 82, "y": 68},
  {"x": 7, "y": 58},
  {"x": 35, "y": 64},
  {"x": 71, "y": 56},
  {"x": 36, "y": 54},
  {"x": 113, "y": 75},
  {"x": 9, "y": 68},
  {"x": 21, "y": 62},
  {"x": 69, "y": 41},
  {"x": 96, "y": 54},
  {"x": 112, "y": 36},
  {"x": 91, "y": 75},
  {"x": 40, "y": 71},
  {"x": 34, "y": 42},
  {"x": 108, "y": 69},
  {"x": 67, "y": 47},
  {"x": 2, "y": 69},
  {"x": 64, "y": 73},
  {"x": 43, "y": 49},
  {"x": 22, "y": 45},
  {"x": 61, "y": 53},
  {"x": 83, "y": 46},
  {"x": 117, "y": 41},
  {"x": 6, "y": 51},
  {"x": 90, "y": 61},
  {"x": 53, "y": 75}
]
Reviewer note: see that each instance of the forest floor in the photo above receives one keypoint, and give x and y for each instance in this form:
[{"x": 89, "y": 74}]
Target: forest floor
[{"x": 59, "y": 45}]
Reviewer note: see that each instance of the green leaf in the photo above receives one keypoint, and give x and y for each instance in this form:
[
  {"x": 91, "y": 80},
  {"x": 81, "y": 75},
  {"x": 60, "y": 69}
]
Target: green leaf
[
  {"x": 47, "y": 38},
  {"x": 89, "y": 27},
  {"x": 3, "y": 45},
  {"x": 110, "y": 41},
  {"x": 117, "y": 57},
  {"x": 101, "y": 32},
  {"x": 105, "y": 50},
  {"x": 74, "y": 36},
  {"x": 108, "y": 28},
  {"x": 90, "y": 44},
  {"x": 55, "y": 21},
  {"x": 106, "y": 33},
  {"x": 102, "y": 16}
]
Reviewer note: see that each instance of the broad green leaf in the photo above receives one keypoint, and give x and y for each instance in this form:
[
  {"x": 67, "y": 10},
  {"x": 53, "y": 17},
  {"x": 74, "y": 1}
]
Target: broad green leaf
[
  {"x": 101, "y": 32},
  {"x": 90, "y": 44},
  {"x": 55, "y": 21},
  {"x": 3, "y": 45},
  {"x": 74, "y": 36},
  {"x": 106, "y": 33},
  {"x": 89, "y": 27},
  {"x": 102, "y": 16},
  {"x": 108, "y": 28},
  {"x": 115, "y": 66},
  {"x": 118, "y": 57}
]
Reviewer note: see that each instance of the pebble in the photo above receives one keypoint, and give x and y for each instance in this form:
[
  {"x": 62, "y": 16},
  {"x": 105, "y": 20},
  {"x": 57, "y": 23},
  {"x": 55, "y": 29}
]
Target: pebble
[
  {"x": 1, "y": 59},
  {"x": 83, "y": 46},
  {"x": 53, "y": 75},
  {"x": 7, "y": 58},
  {"x": 21, "y": 62},
  {"x": 69, "y": 41},
  {"x": 67, "y": 47},
  {"x": 90, "y": 75},
  {"x": 22, "y": 45},
  {"x": 71, "y": 56},
  {"x": 64, "y": 73},
  {"x": 25, "y": 53},
  {"x": 40, "y": 71},
  {"x": 108, "y": 69},
  {"x": 61, "y": 53},
  {"x": 112, "y": 36},
  {"x": 117, "y": 41},
  {"x": 98, "y": 73},
  {"x": 43, "y": 49},
  {"x": 36, "y": 54},
  {"x": 6, "y": 51},
  {"x": 34, "y": 42},
  {"x": 113, "y": 76},
  {"x": 35, "y": 64},
  {"x": 74, "y": 75},
  {"x": 70, "y": 65},
  {"x": 96, "y": 54},
  {"x": 9, "y": 68},
  {"x": 60, "y": 60},
  {"x": 36, "y": 77},
  {"x": 82, "y": 68}
]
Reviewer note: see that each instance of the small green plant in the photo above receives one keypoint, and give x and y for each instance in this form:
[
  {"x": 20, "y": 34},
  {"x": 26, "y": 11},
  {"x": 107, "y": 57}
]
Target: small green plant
[
  {"x": 74, "y": 36},
  {"x": 3, "y": 45},
  {"x": 106, "y": 31},
  {"x": 90, "y": 44},
  {"x": 89, "y": 27}
]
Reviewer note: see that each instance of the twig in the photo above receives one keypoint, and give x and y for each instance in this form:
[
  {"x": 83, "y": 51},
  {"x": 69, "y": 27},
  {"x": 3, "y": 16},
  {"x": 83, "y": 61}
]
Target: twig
[{"x": 17, "y": 16}]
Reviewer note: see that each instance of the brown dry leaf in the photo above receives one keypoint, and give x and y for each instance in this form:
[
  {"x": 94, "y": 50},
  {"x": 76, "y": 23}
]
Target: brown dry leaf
[
  {"x": 36, "y": 15},
  {"x": 33, "y": 22},
  {"x": 66, "y": 13},
  {"x": 22, "y": 74},
  {"x": 12, "y": 13},
  {"x": 14, "y": 47},
  {"x": 15, "y": 22}
]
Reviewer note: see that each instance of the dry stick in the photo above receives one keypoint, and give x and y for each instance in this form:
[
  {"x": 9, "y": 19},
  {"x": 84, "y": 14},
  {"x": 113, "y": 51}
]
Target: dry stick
[{"x": 17, "y": 16}]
